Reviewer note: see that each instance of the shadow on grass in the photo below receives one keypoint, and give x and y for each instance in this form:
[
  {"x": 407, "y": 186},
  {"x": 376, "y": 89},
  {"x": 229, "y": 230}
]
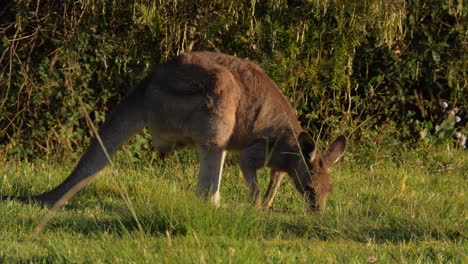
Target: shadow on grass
[
  {"x": 318, "y": 228},
  {"x": 159, "y": 217},
  {"x": 180, "y": 215}
]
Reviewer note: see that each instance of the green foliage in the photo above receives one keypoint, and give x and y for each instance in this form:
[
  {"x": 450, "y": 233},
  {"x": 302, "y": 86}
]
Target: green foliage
[
  {"x": 426, "y": 65},
  {"x": 347, "y": 66}
]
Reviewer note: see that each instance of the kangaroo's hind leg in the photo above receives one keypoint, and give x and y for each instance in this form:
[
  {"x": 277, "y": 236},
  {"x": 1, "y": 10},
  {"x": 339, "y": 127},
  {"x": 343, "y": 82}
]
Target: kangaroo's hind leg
[
  {"x": 273, "y": 185},
  {"x": 211, "y": 169},
  {"x": 162, "y": 146}
]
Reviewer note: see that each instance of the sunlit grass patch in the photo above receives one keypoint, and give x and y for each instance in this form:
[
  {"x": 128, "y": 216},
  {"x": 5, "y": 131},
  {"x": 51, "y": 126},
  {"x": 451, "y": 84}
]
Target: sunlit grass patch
[{"x": 147, "y": 211}]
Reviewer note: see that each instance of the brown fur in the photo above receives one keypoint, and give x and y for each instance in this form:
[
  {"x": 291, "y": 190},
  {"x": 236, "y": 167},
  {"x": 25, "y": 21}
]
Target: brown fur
[{"x": 216, "y": 102}]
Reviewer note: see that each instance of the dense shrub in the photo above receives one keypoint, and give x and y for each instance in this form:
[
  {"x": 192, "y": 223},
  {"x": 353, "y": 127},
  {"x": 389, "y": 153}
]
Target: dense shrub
[{"x": 347, "y": 66}]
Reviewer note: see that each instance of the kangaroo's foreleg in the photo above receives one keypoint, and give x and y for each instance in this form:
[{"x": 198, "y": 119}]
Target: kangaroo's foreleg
[
  {"x": 211, "y": 169},
  {"x": 273, "y": 185},
  {"x": 252, "y": 159},
  {"x": 250, "y": 176}
]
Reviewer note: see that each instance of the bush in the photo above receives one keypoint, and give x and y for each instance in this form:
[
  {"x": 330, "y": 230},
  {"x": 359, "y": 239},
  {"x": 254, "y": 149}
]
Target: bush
[{"x": 346, "y": 67}]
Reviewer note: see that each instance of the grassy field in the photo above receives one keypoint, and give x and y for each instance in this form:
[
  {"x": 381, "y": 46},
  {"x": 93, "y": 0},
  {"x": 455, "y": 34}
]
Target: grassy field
[{"x": 387, "y": 206}]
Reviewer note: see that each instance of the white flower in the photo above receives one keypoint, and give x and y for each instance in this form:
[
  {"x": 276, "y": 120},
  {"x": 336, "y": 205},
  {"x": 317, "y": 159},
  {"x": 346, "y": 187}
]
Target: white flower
[
  {"x": 443, "y": 105},
  {"x": 458, "y": 134},
  {"x": 457, "y": 119},
  {"x": 455, "y": 110},
  {"x": 462, "y": 140}
]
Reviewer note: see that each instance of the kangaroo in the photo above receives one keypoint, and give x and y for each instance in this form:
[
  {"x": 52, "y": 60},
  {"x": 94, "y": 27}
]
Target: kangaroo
[{"x": 214, "y": 102}]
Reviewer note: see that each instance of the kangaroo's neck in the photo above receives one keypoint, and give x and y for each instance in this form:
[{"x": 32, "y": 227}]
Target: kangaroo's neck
[{"x": 283, "y": 151}]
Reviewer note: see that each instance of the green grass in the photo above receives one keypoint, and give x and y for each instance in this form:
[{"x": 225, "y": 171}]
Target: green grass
[{"x": 387, "y": 206}]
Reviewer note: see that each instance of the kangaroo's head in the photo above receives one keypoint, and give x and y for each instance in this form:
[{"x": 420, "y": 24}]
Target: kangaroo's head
[{"x": 312, "y": 172}]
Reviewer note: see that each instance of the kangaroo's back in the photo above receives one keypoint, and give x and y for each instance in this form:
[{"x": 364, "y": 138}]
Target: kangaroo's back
[{"x": 260, "y": 108}]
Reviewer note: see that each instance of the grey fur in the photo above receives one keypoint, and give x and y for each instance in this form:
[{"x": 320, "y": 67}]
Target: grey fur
[{"x": 216, "y": 103}]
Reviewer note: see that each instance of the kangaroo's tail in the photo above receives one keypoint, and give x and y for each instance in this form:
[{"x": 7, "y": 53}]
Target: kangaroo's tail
[{"x": 127, "y": 119}]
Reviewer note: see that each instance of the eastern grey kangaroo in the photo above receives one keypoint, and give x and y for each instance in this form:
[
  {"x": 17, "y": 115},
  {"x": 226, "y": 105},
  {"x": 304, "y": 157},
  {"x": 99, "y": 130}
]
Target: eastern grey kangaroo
[{"x": 216, "y": 103}]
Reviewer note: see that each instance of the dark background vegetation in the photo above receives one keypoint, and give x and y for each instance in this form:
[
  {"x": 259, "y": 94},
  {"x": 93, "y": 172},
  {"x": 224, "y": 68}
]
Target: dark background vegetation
[{"x": 371, "y": 69}]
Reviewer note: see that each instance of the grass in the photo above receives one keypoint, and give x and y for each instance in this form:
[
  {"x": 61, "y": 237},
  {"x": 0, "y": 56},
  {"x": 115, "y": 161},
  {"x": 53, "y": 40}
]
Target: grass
[{"x": 387, "y": 206}]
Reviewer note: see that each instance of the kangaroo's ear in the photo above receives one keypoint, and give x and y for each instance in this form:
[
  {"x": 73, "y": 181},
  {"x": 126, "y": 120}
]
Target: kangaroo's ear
[
  {"x": 335, "y": 151},
  {"x": 307, "y": 145}
]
